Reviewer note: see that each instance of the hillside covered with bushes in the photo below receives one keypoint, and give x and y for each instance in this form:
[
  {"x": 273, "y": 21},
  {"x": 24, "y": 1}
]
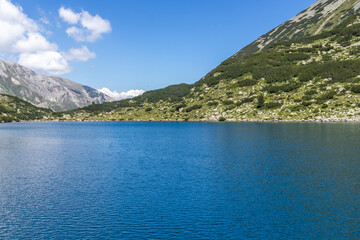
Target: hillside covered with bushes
[
  {"x": 312, "y": 78},
  {"x": 13, "y": 109}
]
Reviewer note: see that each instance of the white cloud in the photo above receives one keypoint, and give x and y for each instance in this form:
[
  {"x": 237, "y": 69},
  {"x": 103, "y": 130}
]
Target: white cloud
[
  {"x": 13, "y": 24},
  {"x": 21, "y": 37},
  {"x": 46, "y": 61},
  {"x": 122, "y": 95},
  {"x": 96, "y": 25},
  {"x": 79, "y": 54},
  {"x": 89, "y": 29},
  {"x": 67, "y": 15},
  {"x": 33, "y": 43},
  {"x": 77, "y": 33},
  {"x": 9, "y": 34},
  {"x": 24, "y": 39}
]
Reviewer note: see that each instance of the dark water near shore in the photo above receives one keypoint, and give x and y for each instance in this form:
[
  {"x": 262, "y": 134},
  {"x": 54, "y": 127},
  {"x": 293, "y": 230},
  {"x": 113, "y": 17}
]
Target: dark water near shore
[{"x": 180, "y": 180}]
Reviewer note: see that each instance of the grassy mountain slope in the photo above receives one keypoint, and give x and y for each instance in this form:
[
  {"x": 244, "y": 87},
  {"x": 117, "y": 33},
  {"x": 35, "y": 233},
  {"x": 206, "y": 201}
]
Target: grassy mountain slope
[
  {"x": 312, "y": 78},
  {"x": 15, "y": 109}
]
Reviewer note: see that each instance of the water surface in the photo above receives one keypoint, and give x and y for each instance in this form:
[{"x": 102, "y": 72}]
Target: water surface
[{"x": 180, "y": 180}]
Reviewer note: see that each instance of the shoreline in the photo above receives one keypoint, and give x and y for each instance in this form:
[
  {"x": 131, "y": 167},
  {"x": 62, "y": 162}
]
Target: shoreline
[{"x": 203, "y": 121}]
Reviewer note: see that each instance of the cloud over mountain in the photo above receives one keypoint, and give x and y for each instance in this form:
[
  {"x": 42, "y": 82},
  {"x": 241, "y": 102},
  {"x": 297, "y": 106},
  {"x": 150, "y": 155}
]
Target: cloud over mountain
[
  {"x": 45, "y": 61},
  {"x": 122, "y": 95},
  {"x": 24, "y": 38}
]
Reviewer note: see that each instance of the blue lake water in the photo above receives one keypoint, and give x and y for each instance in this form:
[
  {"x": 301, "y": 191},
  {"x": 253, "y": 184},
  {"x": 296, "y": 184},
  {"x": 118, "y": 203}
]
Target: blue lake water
[{"x": 180, "y": 180}]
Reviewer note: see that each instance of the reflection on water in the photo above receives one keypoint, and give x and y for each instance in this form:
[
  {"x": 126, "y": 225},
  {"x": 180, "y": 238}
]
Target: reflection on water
[{"x": 180, "y": 180}]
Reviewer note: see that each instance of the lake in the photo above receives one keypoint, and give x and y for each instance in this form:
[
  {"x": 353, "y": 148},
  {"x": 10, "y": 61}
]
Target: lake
[{"x": 133, "y": 180}]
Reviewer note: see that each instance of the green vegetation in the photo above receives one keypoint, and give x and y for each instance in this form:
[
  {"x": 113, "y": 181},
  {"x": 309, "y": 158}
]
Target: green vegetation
[
  {"x": 245, "y": 83},
  {"x": 13, "y": 109},
  {"x": 311, "y": 78},
  {"x": 194, "y": 107},
  {"x": 222, "y": 119}
]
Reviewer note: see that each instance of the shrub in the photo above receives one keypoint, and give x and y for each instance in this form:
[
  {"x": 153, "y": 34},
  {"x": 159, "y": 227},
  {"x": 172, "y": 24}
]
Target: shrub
[
  {"x": 311, "y": 92},
  {"x": 327, "y": 58},
  {"x": 279, "y": 74},
  {"x": 173, "y": 93},
  {"x": 229, "y": 94},
  {"x": 283, "y": 88},
  {"x": 295, "y": 108},
  {"x": 272, "y": 105},
  {"x": 179, "y": 106},
  {"x": 345, "y": 44},
  {"x": 3, "y": 109},
  {"x": 317, "y": 46},
  {"x": 148, "y": 109},
  {"x": 246, "y": 83},
  {"x": 260, "y": 101},
  {"x": 306, "y": 76},
  {"x": 307, "y": 97},
  {"x": 297, "y": 56},
  {"x": 352, "y": 80},
  {"x": 247, "y": 100},
  {"x": 307, "y": 50},
  {"x": 356, "y": 89},
  {"x": 327, "y": 96},
  {"x": 306, "y": 104},
  {"x": 222, "y": 119},
  {"x": 214, "y": 103},
  {"x": 230, "y": 107},
  {"x": 228, "y": 102},
  {"x": 354, "y": 50},
  {"x": 194, "y": 107}
]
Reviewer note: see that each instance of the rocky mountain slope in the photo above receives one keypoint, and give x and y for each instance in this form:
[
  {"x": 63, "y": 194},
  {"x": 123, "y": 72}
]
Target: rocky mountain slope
[
  {"x": 323, "y": 15},
  {"x": 55, "y": 93},
  {"x": 15, "y": 109},
  {"x": 311, "y": 78}
]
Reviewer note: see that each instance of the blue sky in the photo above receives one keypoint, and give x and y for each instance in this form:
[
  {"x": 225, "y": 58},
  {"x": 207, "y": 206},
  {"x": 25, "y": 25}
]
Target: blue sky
[{"x": 152, "y": 44}]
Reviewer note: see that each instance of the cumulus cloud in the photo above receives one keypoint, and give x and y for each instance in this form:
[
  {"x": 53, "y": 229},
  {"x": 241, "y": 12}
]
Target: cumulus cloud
[
  {"x": 78, "y": 34},
  {"x": 34, "y": 42},
  {"x": 122, "y": 95},
  {"x": 23, "y": 39},
  {"x": 13, "y": 24},
  {"x": 46, "y": 61},
  {"x": 79, "y": 54},
  {"x": 88, "y": 28},
  {"x": 67, "y": 15}
]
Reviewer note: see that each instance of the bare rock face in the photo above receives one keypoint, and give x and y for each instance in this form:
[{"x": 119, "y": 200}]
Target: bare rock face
[
  {"x": 321, "y": 16},
  {"x": 56, "y": 93}
]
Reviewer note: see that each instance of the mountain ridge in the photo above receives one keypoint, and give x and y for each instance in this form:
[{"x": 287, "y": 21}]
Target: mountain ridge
[
  {"x": 323, "y": 15},
  {"x": 44, "y": 91}
]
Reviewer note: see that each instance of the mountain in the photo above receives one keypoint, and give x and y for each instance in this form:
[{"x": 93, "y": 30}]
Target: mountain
[
  {"x": 51, "y": 92},
  {"x": 314, "y": 75},
  {"x": 323, "y": 15},
  {"x": 15, "y": 109}
]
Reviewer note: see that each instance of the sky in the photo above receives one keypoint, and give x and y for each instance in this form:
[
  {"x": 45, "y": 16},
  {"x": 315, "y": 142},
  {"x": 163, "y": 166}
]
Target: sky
[{"x": 125, "y": 47}]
